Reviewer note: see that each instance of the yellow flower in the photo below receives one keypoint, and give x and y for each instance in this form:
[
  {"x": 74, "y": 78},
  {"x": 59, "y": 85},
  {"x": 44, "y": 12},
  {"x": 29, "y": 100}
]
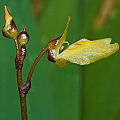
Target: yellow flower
[{"x": 82, "y": 52}]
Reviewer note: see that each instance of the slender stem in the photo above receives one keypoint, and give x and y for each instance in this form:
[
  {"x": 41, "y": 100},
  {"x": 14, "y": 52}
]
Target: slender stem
[
  {"x": 35, "y": 63},
  {"x": 17, "y": 48},
  {"x": 22, "y": 99},
  {"x": 23, "y": 108},
  {"x": 18, "y": 62},
  {"x": 20, "y": 83}
]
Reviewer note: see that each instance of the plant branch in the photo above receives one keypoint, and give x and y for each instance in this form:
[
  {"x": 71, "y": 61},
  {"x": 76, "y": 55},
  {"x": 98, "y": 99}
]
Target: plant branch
[
  {"x": 35, "y": 63},
  {"x": 22, "y": 98},
  {"x": 17, "y": 48},
  {"x": 20, "y": 83}
]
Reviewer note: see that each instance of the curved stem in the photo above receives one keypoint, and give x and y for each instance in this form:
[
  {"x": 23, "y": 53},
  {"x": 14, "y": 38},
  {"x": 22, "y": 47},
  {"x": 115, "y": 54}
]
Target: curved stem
[{"x": 35, "y": 63}]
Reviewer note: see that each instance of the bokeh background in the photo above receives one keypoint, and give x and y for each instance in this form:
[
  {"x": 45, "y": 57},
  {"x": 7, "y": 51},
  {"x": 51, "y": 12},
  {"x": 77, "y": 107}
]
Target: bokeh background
[{"x": 72, "y": 93}]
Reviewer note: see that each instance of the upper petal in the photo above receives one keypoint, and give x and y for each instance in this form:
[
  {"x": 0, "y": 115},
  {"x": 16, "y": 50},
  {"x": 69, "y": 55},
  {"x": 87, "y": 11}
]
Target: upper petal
[{"x": 63, "y": 38}]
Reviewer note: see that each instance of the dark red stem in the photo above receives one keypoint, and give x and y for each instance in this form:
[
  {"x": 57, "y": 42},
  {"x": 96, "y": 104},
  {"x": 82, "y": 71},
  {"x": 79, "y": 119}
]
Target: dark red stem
[{"x": 20, "y": 83}]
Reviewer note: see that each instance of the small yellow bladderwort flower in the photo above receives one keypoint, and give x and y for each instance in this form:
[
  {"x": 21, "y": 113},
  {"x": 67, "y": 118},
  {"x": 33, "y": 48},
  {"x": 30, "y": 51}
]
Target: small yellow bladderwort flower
[
  {"x": 9, "y": 30},
  {"x": 82, "y": 52}
]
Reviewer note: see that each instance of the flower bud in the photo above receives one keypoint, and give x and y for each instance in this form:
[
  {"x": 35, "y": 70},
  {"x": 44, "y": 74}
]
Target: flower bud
[
  {"x": 51, "y": 51},
  {"x": 9, "y": 29},
  {"x": 23, "y": 37}
]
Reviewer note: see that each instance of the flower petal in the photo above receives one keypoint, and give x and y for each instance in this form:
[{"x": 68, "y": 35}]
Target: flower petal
[
  {"x": 85, "y": 51},
  {"x": 61, "y": 62},
  {"x": 63, "y": 38}
]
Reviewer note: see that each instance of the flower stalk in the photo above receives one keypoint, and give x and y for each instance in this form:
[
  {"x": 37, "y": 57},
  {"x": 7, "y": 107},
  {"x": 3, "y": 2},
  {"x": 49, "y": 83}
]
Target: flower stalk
[
  {"x": 35, "y": 63},
  {"x": 19, "y": 63},
  {"x": 10, "y": 31}
]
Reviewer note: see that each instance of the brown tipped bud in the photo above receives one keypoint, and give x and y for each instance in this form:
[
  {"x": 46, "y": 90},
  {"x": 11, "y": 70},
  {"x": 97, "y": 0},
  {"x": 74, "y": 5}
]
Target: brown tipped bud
[
  {"x": 51, "y": 55},
  {"x": 9, "y": 29},
  {"x": 51, "y": 49},
  {"x": 53, "y": 43},
  {"x": 23, "y": 37}
]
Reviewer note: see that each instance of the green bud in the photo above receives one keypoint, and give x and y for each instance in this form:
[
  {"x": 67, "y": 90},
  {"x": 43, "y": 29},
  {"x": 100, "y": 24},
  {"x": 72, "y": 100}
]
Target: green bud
[{"x": 23, "y": 37}]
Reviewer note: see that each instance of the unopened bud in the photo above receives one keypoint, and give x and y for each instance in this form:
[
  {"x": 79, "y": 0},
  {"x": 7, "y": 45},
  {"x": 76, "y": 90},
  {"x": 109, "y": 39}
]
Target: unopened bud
[
  {"x": 23, "y": 37},
  {"x": 9, "y": 29}
]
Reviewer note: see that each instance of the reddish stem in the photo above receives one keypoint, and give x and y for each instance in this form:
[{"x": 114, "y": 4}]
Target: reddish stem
[
  {"x": 23, "y": 89},
  {"x": 20, "y": 83},
  {"x": 35, "y": 63},
  {"x": 22, "y": 99}
]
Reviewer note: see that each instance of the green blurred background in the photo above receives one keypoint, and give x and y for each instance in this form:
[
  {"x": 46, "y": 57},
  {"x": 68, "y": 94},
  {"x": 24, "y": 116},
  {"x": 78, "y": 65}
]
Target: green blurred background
[{"x": 72, "y": 93}]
